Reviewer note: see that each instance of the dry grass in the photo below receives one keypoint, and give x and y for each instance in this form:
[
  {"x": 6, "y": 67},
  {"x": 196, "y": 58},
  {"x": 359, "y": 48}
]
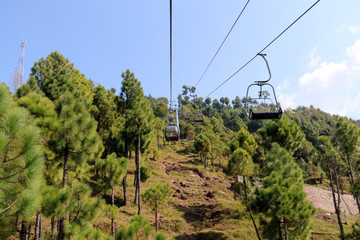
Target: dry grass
[{"x": 203, "y": 207}]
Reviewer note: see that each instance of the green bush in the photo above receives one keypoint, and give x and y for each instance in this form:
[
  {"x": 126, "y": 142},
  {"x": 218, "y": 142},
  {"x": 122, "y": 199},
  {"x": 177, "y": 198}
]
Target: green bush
[{"x": 145, "y": 174}]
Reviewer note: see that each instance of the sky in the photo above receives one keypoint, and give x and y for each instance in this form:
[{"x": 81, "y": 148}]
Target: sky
[{"x": 316, "y": 62}]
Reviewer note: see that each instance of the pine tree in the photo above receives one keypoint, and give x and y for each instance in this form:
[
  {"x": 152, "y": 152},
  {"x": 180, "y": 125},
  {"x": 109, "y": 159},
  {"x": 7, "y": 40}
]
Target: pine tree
[
  {"x": 138, "y": 229},
  {"x": 138, "y": 116},
  {"x": 284, "y": 132},
  {"x": 156, "y": 196},
  {"x": 111, "y": 170},
  {"x": 241, "y": 164},
  {"x": 21, "y": 161},
  {"x": 55, "y": 75},
  {"x": 76, "y": 142},
  {"x": 329, "y": 158},
  {"x": 202, "y": 144},
  {"x": 284, "y": 211},
  {"x": 347, "y": 137}
]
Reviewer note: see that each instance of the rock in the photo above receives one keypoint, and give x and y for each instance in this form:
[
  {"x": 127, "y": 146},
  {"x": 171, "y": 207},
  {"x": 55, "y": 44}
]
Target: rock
[
  {"x": 184, "y": 184},
  {"x": 210, "y": 194}
]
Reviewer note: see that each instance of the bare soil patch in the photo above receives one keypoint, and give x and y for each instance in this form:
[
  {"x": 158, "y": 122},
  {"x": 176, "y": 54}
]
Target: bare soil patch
[{"x": 323, "y": 199}]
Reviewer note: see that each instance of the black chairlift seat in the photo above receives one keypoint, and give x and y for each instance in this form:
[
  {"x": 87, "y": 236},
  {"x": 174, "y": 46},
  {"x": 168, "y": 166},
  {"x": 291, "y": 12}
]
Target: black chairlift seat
[
  {"x": 265, "y": 115},
  {"x": 275, "y": 112},
  {"x": 198, "y": 119},
  {"x": 172, "y": 133},
  {"x": 187, "y": 116}
]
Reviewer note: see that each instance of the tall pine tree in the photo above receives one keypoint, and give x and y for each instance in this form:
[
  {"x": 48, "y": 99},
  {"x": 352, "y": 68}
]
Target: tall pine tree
[
  {"x": 21, "y": 161},
  {"x": 139, "y": 117},
  {"x": 281, "y": 202}
]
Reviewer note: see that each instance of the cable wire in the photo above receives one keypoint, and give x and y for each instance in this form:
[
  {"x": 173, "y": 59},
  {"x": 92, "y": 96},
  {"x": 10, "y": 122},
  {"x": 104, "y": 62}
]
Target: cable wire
[
  {"x": 263, "y": 49},
  {"x": 222, "y": 42},
  {"x": 171, "y": 54}
]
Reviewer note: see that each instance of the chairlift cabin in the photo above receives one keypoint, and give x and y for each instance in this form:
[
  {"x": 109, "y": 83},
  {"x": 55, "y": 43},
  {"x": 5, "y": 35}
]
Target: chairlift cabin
[
  {"x": 187, "y": 116},
  {"x": 172, "y": 130},
  {"x": 262, "y": 106},
  {"x": 170, "y": 118},
  {"x": 172, "y": 133},
  {"x": 198, "y": 118}
]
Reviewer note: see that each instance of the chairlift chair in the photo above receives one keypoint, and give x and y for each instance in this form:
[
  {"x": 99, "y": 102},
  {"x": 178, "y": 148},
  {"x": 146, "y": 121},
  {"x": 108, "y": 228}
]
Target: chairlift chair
[
  {"x": 198, "y": 118},
  {"x": 187, "y": 116},
  {"x": 172, "y": 132},
  {"x": 272, "y": 111}
]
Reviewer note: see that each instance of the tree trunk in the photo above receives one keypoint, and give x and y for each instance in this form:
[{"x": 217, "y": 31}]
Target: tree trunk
[
  {"x": 29, "y": 232},
  {"x": 352, "y": 178},
  {"x": 249, "y": 210},
  {"x": 136, "y": 186},
  {"x": 52, "y": 228},
  {"x": 37, "y": 226},
  {"x": 40, "y": 225},
  {"x": 158, "y": 140},
  {"x": 280, "y": 231},
  {"x": 124, "y": 189},
  {"x": 137, "y": 159},
  {"x": 112, "y": 219},
  {"x": 126, "y": 150},
  {"x": 336, "y": 205},
  {"x": 285, "y": 230},
  {"x": 23, "y": 230},
  {"x": 61, "y": 235},
  {"x": 156, "y": 217}
]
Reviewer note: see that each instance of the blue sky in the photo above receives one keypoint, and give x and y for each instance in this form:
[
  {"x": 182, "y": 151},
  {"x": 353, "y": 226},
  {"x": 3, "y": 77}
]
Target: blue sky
[{"x": 317, "y": 62}]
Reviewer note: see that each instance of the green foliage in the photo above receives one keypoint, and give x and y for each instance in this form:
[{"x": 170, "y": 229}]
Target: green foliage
[
  {"x": 43, "y": 111},
  {"x": 284, "y": 132},
  {"x": 139, "y": 229},
  {"x": 281, "y": 202},
  {"x": 347, "y": 136},
  {"x": 355, "y": 233},
  {"x": 56, "y": 75},
  {"x": 104, "y": 112},
  {"x": 21, "y": 161},
  {"x": 76, "y": 138},
  {"x": 81, "y": 209},
  {"x": 111, "y": 170},
  {"x": 136, "y": 110},
  {"x": 240, "y": 163},
  {"x": 145, "y": 173},
  {"x": 202, "y": 144},
  {"x": 157, "y": 195},
  {"x": 244, "y": 140}
]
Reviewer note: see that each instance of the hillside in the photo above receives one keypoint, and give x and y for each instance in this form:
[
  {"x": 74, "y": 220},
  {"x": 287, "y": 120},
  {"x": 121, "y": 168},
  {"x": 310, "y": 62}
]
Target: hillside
[
  {"x": 69, "y": 149},
  {"x": 203, "y": 205}
]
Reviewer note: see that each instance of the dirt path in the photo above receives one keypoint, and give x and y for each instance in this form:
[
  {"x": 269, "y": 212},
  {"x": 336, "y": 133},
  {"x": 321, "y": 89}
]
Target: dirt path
[{"x": 323, "y": 199}]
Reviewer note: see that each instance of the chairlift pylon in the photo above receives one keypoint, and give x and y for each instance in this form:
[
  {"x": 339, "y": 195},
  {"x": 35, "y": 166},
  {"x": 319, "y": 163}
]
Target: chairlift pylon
[{"x": 263, "y": 110}]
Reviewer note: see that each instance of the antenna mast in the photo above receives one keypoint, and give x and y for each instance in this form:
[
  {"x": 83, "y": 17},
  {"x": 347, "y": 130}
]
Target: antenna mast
[{"x": 18, "y": 76}]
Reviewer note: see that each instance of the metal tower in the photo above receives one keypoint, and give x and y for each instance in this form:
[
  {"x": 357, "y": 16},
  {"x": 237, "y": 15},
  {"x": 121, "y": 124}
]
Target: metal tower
[{"x": 18, "y": 76}]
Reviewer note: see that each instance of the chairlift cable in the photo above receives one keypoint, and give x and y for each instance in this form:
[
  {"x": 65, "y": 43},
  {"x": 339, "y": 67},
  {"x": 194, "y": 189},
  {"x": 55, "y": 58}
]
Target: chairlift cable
[
  {"x": 171, "y": 54},
  {"x": 263, "y": 49},
  {"x": 222, "y": 43}
]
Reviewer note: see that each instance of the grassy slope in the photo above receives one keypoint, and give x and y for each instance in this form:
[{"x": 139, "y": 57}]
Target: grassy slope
[{"x": 204, "y": 207}]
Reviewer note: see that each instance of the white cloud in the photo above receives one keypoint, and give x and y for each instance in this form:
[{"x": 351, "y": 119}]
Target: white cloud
[
  {"x": 354, "y": 29},
  {"x": 333, "y": 87},
  {"x": 314, "y": 58}
]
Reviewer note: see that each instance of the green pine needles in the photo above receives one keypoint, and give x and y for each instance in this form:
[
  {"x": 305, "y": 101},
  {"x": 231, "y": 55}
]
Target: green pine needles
[
  {"x": 21, "y": 161},
  {"x": 281, "y": 203}
]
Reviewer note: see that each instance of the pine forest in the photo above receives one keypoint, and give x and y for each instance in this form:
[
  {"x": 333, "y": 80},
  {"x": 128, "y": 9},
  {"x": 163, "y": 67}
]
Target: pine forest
[{"x": 79, "y": 161}]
